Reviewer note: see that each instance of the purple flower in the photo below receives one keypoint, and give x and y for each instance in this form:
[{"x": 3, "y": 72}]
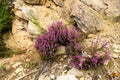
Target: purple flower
[
  {"x": 94, "y": 42},
  {"x": 104, "y": 44},
  {"x": 94, "y": 60},
  {"x": 97, "y": 56},
  {"x": 106, "y": 56},
  {"x": 77, "y": 61}
]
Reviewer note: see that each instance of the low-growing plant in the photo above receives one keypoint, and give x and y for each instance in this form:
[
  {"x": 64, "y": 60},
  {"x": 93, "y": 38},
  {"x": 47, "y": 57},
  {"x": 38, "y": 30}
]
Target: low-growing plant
[
  {"x": 2, "y": 68},
  {"x": 96, "y": 56},
  {"x": 75, "y": 38},
  {"x": 57, "y": 35},
  {"x": 31, "y": 64}
]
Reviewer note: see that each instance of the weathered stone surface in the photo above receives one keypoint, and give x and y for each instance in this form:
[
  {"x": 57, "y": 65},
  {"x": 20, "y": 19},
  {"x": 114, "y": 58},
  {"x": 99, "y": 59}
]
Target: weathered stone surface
[
  {"x": 42, "y": 77},
  {"x": 75, "y": 72},
  {"x": 20, "y": 35},
  {"x": 67, "y": 77},
  {"x": 16, "y": 64},
  {"x": 116, "y": 48},
  {"x": 61, "y": 50},
  {"x": 88, "y": 20},
  {"x": 10, "y": 43},
  {"x": 52, "y": 77},
  {"x": 115, "y": 55},
  {"x": 110, "y": 8},
  {"x": 38, "y": 14},
  {"x": 113, "y": 9},
  {"x": 59, "y": 2},
  {"x": 97, "y": 5},
  {"x": 19, "y": 69},
  {"x": 35, "y": 2},
  {"x": 46, "y": 16},
  {"x": 31, "y": 20},
  {"x": 18, "y": 8},
  {"x": 32, "y": 28}
]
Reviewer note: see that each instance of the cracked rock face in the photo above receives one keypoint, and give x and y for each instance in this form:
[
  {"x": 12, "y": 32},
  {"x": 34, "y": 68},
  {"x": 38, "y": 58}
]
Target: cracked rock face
[
  {"x": 110, "y": 8},
  {"x": 87, "y": 19},
  {"x": 35, "y": 2},
  {"x": 97, "y": 5},
  {"x": 113, "y": 9}
]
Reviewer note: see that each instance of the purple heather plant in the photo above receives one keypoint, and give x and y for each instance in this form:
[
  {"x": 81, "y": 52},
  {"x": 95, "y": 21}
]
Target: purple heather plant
[
  {"x": 77, "y": 61},
  {"x": 60, "y": 35},
  {"x": 81, "y": 62},
  {"x": 57, "y": 35},
  {"x": 74, "y": 37},
  {"x": 93, "y": 61}
]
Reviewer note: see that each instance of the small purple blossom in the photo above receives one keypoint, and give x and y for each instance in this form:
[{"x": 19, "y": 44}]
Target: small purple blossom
[
  {"x": 106, "y": 56},
  {"x": 104, "y": 44},
  {"x": 94, "y": 42},
  {"x": 77, "y": 61},
  {"x": 95, "y": 58}
]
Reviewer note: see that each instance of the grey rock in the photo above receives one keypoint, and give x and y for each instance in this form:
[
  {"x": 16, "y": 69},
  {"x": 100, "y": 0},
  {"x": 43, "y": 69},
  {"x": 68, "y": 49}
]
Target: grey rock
[
  {"x": 59, "y": 2},
  {"x": 11, "y": 76},
  {"x": 97, "y": 5},
  {"x": 35, "y": 2},
  {"x": 47, "y": 78},
  {"x": 75, "y": 72},
  {"x": 52, "y": 77},
  {"x": 33, "y": 28},
  {"x": 16, "y": 64},
  {"x": 42, "y": 77},
  {"x": 61, "y": 50},
  {"x": 19, "y": 69},
  {"x": 87, "y": 20},
  {"x": 110, "y": 8},
  {"x": 88, "y": 77},
  {"x": 115, "y": 55},
  {"x": 66, "y": 77},
  {"x": 113, "y": 9}
]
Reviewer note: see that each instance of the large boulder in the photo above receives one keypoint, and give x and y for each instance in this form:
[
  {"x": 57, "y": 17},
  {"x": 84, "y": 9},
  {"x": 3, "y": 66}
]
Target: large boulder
[
  {"x": 113, "y": 9},
  {"x": 86, "y": 18},
  {"x": 20, "y": 34},
  {"x": 110, "y": 8},
  {"x": 97, "y": 5}
]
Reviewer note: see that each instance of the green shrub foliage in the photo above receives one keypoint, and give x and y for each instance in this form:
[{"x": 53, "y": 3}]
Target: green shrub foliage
[{"x": 5, "y": 16}]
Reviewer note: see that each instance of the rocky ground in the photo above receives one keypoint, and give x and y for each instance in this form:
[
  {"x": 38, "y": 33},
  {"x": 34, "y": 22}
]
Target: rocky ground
[
  {"x": 25, "y": 66},
  {"x": 99, "y": 18}
]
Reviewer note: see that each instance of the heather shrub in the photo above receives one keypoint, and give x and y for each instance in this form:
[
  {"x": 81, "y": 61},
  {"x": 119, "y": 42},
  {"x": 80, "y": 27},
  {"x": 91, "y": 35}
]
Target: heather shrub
[
  {"x": 46, "y": 45},
  {"x": 58, "y": 35},
  {"x": 74, "y": 46},
  {"x": 96, "y": 56}
]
